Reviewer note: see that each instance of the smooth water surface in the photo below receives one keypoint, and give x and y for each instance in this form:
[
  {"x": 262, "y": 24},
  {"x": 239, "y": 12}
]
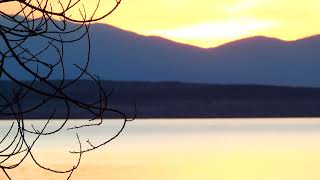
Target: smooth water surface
[{"x": 193, "y": 149}]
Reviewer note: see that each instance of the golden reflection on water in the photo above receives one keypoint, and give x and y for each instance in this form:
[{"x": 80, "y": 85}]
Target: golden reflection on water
[{"x": 261, "y": 149}]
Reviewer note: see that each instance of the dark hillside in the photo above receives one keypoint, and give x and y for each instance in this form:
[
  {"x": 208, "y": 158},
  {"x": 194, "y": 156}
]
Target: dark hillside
[{"x": 183, "y": 100}]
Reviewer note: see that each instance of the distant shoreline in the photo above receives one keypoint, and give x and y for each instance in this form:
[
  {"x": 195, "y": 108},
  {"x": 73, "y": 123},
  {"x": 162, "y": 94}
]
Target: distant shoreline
[{"x": 161, "y": 100}]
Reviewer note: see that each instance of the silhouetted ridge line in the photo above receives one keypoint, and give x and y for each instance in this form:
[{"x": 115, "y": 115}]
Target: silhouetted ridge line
[
  {"x": 126, "y": 56},
  {"x": 188, "y": 100}
]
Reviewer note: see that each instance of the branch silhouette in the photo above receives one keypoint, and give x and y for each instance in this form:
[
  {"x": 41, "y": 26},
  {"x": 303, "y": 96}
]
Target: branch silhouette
[{"x": 52, "y": 22}]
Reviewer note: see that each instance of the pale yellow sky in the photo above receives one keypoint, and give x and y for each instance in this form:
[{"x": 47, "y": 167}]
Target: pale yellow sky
[{"x": 209, "y": 23}]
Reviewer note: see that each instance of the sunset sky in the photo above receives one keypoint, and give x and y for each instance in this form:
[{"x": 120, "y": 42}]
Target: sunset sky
[{"x": 209, "y": 23}]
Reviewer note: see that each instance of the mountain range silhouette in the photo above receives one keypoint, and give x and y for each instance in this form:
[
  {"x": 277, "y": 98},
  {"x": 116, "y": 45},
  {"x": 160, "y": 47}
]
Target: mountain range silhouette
[{"x": 121, "y": 55}]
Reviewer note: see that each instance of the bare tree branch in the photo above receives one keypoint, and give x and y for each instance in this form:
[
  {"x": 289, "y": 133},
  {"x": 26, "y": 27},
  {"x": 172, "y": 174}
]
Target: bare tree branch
[{"x": 51, "y": 22}]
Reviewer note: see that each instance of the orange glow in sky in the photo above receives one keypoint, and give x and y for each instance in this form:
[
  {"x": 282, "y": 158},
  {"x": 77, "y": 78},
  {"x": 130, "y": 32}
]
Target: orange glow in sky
[{"x": 210, "y": 23}]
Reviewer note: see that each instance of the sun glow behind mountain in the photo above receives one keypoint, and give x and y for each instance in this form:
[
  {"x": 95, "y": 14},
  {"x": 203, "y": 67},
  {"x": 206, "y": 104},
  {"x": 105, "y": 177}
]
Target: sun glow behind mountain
[{"x": 210, "y": 23}]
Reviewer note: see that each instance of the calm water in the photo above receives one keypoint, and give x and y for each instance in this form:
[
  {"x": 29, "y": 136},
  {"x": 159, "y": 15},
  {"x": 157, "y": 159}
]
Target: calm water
[{"x": 219, "y": 149}]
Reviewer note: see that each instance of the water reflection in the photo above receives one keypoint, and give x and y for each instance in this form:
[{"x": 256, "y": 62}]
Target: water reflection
[{"x": 221, "y": 149}]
